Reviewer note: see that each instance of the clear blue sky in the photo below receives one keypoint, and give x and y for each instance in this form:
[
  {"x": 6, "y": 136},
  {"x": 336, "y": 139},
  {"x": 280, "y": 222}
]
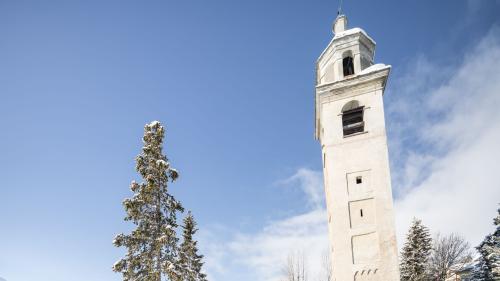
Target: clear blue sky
[{"x": 233, "y": 82}]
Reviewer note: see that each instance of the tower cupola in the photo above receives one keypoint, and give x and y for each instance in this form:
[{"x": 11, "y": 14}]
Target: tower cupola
[{"x": 349, "y": 53}]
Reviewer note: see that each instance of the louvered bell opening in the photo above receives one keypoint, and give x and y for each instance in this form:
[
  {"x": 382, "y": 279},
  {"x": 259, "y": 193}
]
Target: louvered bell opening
[{"x": 352, "y": 121}]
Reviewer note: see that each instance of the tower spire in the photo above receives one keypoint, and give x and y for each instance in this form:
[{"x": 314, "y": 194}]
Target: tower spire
[{"x": 340, "y": 24}]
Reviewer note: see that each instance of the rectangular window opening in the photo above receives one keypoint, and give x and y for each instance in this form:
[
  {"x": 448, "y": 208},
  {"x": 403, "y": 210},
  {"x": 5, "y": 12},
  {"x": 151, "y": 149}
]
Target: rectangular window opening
[
  {"x": 348, "y": 66},
  {"x": 361, "y": 212}
]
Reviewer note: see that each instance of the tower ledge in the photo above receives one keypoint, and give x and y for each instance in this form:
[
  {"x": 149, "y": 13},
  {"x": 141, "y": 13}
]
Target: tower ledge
[
  {"x": 352, "y": 31},
  {"x": 350, "y": 87}
]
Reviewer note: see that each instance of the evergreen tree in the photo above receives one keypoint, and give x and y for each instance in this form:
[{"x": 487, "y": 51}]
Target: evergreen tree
[
  {"x": 488, "y": 267},
  {"x": 189, "y": 259},
  {"x": 152, "y": 247},
  {"x": 415, "y": 253},
  {"x": 480, "y": 271}
]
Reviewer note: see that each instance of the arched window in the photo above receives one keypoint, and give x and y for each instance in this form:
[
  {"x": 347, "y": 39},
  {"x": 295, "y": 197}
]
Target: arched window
[
  {"x": 348, "y": 66},
  {"x": 352, "y": 118}
]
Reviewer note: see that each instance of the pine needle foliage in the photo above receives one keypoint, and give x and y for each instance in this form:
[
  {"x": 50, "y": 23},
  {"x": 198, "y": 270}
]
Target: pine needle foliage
[
  {"x": 152, "y": 247},
  {"x": 190, "y": 261},
  {"x": 415, "y": 253},
  {"x": 488, "y": 266}
]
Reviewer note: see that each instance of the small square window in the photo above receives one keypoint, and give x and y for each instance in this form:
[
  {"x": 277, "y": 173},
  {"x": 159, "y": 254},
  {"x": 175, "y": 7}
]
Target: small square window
[{"x": 359, "y": 180}]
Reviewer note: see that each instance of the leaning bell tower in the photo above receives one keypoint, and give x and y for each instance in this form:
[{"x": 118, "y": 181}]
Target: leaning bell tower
[{"x": 350, "y": 127}]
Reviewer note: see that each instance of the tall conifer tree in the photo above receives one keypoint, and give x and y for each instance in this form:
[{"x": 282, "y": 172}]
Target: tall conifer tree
[
  {"x": 189, "y": 259},
  {"x": 152, "y": 247},
  {"x": 415, "y": 253},
  {"x": 488, "y": 267}
]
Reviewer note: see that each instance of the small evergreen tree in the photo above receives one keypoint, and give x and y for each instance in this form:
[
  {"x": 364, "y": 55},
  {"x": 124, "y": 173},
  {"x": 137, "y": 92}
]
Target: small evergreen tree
[
  {"x": 415, "y": 253},
  {"x": 152, "y": 247},
  {"x": 189, "y": 259},
  {"x": 488, "y": 267}
]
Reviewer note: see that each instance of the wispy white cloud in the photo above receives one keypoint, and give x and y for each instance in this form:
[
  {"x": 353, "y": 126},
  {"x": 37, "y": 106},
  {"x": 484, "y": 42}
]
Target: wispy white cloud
[
  {"x": 267, "y": 251},
  {"x": 262, "y": 255},
  {"x": 446, "y": 175},
  {"x": 311, "y": 183}
]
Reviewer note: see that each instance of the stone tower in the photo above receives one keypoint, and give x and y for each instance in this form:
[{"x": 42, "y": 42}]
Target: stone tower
[{"x": 351, "y": 129}]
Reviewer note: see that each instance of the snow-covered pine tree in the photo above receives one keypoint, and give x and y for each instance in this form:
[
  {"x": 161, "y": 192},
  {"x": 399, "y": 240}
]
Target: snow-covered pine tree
[
  {"x": 415, "y": 253},
  {"x": 189, "y": 259},
  {"x": 152, "y": 247},
  {"x": 488, "y": 267},
  {"x": 480, "y": 271}
]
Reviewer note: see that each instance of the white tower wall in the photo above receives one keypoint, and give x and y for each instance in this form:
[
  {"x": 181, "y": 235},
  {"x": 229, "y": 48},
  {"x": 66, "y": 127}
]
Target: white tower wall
[{"x": 356, "y": 166}]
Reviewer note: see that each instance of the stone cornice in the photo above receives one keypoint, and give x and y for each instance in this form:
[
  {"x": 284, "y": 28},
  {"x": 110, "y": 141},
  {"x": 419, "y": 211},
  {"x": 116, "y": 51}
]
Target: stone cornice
[
  {"x": 356, "y": 80},
  {"x": 350, "y": 87}
]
